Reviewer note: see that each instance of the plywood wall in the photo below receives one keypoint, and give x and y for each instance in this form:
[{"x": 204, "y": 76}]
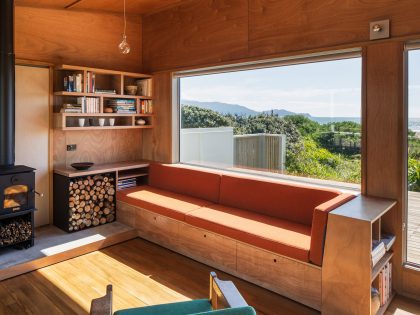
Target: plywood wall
[
  {"x": 208, "y": 32},
  {"x": 157, "y": 142},
  {"x": 76, "y": 37},
  {"x": 98, "y": 146}
]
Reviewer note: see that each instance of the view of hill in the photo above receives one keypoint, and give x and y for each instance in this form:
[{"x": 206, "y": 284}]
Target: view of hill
[{"x": 224, "y": 109}]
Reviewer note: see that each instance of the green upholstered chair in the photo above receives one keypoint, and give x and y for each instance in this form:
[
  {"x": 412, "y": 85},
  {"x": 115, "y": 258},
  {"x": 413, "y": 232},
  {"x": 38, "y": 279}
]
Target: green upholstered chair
[{"x": 219, "y": 291}]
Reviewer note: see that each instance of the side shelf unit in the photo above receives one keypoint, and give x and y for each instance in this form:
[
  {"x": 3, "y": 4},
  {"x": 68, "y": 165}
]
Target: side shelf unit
[
  {"x": 105, "y": 82},
  {"x": 347, "y": 271},
  {"x": 87, "y": 198}
]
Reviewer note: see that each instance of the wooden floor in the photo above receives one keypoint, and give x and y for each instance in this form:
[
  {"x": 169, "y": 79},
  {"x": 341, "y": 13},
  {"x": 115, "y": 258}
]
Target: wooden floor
[
  {"x": 142, "y": 274},
  {"x": 413, "y": 228}
]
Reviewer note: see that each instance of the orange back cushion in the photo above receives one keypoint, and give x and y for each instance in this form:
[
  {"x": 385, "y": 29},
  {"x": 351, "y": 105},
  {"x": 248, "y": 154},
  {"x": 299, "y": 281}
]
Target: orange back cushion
[
  {"x": 199, "y": 184},
  {"x": 281, "y": 200}
]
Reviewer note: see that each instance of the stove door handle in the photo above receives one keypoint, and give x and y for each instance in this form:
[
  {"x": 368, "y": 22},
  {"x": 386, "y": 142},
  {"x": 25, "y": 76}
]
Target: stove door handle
[{"x": 41, "y": 195}]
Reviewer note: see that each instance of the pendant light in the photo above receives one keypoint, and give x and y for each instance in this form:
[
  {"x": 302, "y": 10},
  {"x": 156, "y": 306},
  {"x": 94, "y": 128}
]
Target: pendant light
[{"x": 124, "y": 47}]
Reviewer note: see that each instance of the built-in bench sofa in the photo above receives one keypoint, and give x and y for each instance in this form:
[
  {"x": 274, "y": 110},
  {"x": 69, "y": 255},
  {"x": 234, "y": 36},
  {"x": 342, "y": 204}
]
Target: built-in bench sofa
[{"x": 265, "y": 231}]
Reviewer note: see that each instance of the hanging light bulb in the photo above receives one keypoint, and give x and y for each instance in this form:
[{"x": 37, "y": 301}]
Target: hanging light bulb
[{"x": 124, "y": 46}]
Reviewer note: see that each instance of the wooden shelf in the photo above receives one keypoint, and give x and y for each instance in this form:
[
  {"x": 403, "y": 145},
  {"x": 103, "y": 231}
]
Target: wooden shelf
[
  {"x": 60, "y": 121},
  {"x": 103, "y": 115},
  {"x": 134, "y": 175},
  {"x": 102, "y": 168},
  {"x": 105, "y": 128},
  {"x": 384, "y": 307},
  {"x": 103, "y": 71},
  {"x": 348, "y": 252},
  {"x": 108, "y": 80},
  {"x": 103, "y": 95},
  {"x": 381, "y": 264}
]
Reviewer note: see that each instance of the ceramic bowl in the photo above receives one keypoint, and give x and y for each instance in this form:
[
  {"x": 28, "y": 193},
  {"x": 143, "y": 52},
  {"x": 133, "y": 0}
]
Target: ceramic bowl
[
  {"x": 131, "y": 89},
  {"x": 82, "y": 166}
]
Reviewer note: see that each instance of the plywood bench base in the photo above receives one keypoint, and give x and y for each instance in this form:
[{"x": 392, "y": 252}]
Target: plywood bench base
[{"x": 294, "y": 279}]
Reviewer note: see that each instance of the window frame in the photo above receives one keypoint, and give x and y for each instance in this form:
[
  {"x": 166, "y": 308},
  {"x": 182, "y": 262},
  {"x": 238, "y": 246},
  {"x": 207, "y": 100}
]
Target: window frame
[
  {"x": 342, "y": 54},
  {"x": 410, "y": 46}
]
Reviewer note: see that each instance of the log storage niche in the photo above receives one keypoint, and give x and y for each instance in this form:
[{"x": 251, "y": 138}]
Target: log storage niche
[{"x": 84, "y": 201}]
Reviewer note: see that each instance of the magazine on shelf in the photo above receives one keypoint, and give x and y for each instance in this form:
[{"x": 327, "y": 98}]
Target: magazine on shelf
[
  {"x": 388, "y": 240},
  {"x": 378, "y": 251}
]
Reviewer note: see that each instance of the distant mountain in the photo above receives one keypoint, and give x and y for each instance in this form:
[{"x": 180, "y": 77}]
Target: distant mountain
[
  {"x": 225, "y": 108},
  {"x": 222, "y": 108},
  {"x": 283, "y": 112}
]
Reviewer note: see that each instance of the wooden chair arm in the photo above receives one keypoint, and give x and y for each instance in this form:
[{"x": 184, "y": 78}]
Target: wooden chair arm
[
  {"x": 102, "y": 305},
  {"x": 226, "y": 290}
]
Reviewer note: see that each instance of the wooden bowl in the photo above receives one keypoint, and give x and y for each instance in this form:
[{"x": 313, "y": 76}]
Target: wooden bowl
[{"x": 82, "y": 166}]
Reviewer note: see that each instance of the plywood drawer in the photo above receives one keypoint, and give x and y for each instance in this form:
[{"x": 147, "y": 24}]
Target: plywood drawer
[
  {"x": 209, "y": 248},
  {"x": 125, "y": 213},
  {"x": 157, "y": 228},
  {"x": 296, "y": 280}
]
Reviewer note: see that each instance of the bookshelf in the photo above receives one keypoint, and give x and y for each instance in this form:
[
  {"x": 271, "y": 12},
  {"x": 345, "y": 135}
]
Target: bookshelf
[
  {"x": 347, "y": 271},
  {"x": 89, "y": 94}
]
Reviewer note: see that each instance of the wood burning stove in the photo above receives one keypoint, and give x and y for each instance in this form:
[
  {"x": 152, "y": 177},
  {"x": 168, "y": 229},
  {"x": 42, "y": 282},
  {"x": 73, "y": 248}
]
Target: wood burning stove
[
  {"x": 17, "y": 183},
  {"x": 17, "y": 189},
  {"x": 17, "y": 206}
]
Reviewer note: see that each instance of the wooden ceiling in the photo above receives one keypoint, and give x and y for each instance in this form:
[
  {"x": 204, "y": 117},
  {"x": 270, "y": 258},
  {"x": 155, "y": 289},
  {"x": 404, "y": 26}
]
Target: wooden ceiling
[{"x": 115, "y": 6}]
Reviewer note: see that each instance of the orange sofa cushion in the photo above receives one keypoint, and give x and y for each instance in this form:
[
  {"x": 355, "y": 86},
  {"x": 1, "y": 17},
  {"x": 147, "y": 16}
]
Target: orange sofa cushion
[
  {"x": 279, "y": 236},
  {"x": 319, "y": 226},
  {"x": 160, "y": 201},
  {"x": 285, "y": 201},
  {"x": 181, "y": 180}
]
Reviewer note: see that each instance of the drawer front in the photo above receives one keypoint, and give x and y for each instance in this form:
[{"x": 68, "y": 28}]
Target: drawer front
[
  {"x": 157, "y": 228},
  {"x": 126, "y": 213},
  {"x": 209, "y": 248},
  {"x": 298, "y": 281}
]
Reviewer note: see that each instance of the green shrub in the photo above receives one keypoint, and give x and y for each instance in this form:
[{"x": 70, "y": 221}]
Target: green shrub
[{"x": 413, "y": 175}]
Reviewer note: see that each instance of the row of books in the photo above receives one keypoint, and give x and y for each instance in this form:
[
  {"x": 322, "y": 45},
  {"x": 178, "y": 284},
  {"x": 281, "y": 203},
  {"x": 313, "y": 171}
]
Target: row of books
[
  {"x": 146, "y": 107},
  {"x": 122, "y": 106},
  {"x": 73, "y": 83},
  {"x": 126, "y": 183},
  {"x": 380, "y": 247},
  {"x": 90, "y": 82},
  {"x": 144, "y": 87},
  {"x": 385, "y": 283},
  {"x": 89, "y": 105},
  {"x": 381, "y": 294}
]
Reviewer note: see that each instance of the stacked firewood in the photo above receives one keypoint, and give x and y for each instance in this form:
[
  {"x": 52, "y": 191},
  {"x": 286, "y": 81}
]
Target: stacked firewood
[
  {"x": 91, "y": 201},
  {"x": 15, "y": 231}
]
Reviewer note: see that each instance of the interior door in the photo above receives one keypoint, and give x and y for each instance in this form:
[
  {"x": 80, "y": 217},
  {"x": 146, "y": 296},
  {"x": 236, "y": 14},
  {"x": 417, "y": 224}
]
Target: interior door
[{"x": 32, "y": 131}]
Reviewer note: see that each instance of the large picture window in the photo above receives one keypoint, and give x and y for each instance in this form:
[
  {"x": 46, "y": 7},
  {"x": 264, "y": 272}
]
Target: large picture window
[{"x": 298, "y": 121}]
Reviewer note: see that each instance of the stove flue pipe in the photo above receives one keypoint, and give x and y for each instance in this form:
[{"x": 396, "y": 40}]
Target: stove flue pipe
[{"x": 7, "y": 84}]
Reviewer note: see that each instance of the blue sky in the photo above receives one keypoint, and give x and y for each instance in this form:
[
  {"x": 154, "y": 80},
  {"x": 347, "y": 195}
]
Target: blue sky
[
  {"x": 323, "y": 89},
  {"x": 414, "y": 84}
]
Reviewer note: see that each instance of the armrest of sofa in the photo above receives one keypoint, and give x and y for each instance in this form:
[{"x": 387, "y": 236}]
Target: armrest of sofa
[{"x": 319, "y": 226}]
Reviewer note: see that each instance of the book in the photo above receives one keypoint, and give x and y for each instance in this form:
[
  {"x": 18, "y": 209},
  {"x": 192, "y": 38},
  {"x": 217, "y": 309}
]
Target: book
[
  {"x": 378, "y": 251},
  {"x": 388, "y": 240}
]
